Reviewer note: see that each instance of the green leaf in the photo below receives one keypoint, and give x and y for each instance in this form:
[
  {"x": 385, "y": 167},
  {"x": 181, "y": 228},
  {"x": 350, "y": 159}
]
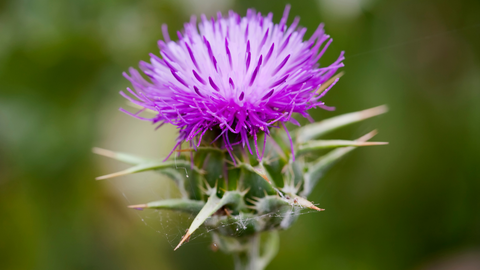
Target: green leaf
[
  {"x": 322, "y": 164},
  {"x": 325, "y": 144},
  {"x": 181, "y": 205},
  {"x": 233, "y": 199},
  {"x": 315, "y": 130}
]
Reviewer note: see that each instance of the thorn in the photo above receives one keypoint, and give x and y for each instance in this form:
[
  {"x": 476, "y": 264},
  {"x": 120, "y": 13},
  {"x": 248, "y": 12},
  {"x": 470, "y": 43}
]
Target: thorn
[
  {"x": 260, "y": 173},
  {"x": 230, "y": 162},
  {"x": 305, "y": 203},
  {"x": 236, "y": 158},
  {"x": 251, "y": 201},
  {"x": 185, "y": 238},
  {"x": 368, "y": 136},
  {"x": 371, "y": 143},
  {"x": 245, "y": 191},
  {"x": 188, "y": 238},
  {"x": 374, "y": 111},
  {"x": 316, "y": 208},
  {"x": 211, "y": 191},
  {"x": 204, "y": 190},
  {"x": 255, "y": 198},
  {"x": 138, "y": 206},
  {"x": 112, "y": 175},
  {"x": 103, "y": 152},
  {"x": 207, "y": 185},
  {"x": 297, "y": 187},
  {"x": 285, "y": 168},
  {"x": 265, "y": 177}
]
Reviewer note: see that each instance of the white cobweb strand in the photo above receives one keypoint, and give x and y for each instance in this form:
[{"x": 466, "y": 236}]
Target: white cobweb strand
[{"x": 172, "y": 225}]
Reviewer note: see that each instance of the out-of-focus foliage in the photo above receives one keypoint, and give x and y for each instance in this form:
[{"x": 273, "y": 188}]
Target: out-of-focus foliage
[{"x": 403, "y": 206}]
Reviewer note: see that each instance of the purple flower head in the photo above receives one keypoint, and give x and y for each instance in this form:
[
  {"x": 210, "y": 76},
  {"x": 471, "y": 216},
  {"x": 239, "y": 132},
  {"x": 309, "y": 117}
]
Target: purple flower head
[{"x": 239, "y": 75}]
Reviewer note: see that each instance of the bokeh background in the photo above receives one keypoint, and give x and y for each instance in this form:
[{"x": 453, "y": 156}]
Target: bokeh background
[{"x": 414, "y": 204}]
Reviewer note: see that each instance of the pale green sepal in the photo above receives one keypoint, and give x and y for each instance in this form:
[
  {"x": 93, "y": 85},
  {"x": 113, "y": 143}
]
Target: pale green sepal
[
  {"x": 123, "y": 157},
  {"x": 325, "y": 144},
  {"x": 301, "y": 202},
  {"x": 150, "y": 166},
  {"x": 315, "y": 130},
  {"x": 182, "y": 205}
]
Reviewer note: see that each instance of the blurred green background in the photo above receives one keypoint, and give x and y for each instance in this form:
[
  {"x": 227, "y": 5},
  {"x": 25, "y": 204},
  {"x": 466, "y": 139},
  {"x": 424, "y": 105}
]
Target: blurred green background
[{"x": 414, "y": 204}]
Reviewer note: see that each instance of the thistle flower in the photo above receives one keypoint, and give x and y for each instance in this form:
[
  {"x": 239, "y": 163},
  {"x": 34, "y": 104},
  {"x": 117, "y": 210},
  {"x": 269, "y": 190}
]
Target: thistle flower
[
  {"x": 239, "y": 75},
  {"x": 238, "y": 78}
]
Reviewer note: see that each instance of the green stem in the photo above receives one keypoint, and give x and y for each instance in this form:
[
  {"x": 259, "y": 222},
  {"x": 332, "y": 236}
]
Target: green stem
[{"x": 257, "y": 253}]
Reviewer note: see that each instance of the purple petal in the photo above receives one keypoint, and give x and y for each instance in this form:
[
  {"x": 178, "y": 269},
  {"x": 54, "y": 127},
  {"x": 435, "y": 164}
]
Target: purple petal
[
  {"x": 254, "y": 75},
  {"x": 269, "y": 94},
  {"x": 213, "y": 84},
  {"x": 282, "y": 64},
  {"x": 247, "y": 63},
  {"x": 198, "y": 77}
]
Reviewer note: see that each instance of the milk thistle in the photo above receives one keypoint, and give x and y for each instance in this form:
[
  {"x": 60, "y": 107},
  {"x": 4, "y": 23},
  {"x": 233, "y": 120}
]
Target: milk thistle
[{"x": 230, "y": 86}]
